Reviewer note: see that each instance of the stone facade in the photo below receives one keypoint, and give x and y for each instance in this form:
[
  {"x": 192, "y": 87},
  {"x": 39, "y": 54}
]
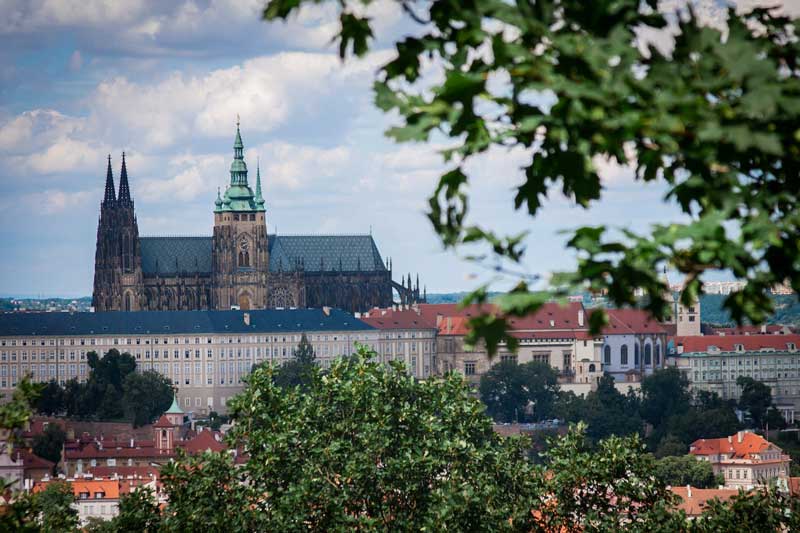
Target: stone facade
[
  {"x": 206, "y": 354},
  {"x": 240, "y": 266}
]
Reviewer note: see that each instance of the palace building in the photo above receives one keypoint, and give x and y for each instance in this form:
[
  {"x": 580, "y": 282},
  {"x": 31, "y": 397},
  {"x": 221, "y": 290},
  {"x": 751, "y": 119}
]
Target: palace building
[{"x": 240, "y": 266}]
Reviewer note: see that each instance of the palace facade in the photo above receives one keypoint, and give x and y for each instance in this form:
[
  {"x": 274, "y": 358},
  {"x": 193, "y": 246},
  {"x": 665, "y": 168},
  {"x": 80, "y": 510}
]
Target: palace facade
[{"x": 240, "y": 265}]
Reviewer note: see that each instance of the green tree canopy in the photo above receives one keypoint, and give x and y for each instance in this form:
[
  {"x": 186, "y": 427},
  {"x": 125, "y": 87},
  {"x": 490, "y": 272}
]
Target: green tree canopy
[
  {"x": 605, "y": 411},
  {"x": 686, "y": 470},
  {"x": 51, "y": 399},
  {"x": 50, "y": 443},
  {"x": 299, "y": 370},
  {"x": 756, "y": 399},
  {"x": 665, "y": 393},
  {"x": 514, "y": 393},
  {"x": 145, "y": 396},
  {"x": 713, "y": 118}
]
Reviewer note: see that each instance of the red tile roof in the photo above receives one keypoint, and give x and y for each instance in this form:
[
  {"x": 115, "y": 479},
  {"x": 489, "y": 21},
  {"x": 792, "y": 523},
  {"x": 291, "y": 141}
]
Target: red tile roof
[
  {"x": 163, "y": 422},
  {"x": 727, "y": 343},
  {"x": 550, "y": 317},
  {"x": 109, "y": 488},
  {"x": 397, "y": 319},
  {"x": 204, "y": 441},
  {"x": 739, "y": 446},
  {"x": 629, "y": 321},
  {"x": 30, "y": 460},
  {"x": 696, "y": 503},
  {"x": 751, "y": 330}
]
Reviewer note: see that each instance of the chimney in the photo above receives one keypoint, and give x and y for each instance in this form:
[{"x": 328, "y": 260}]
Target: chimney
[
  {"x": 730, "y": 438},
  {"x": 449, "y": 324},
  {"x": 132, "y": 443},
  {"x": 438, "y": 320},
  {"x": 552, "y": 323},
  {"x": 739, "y": 436},
  {"x": 326, "y": 310},
  {"x": 763, "y": 328},
  {"x": 247, "y": 319},
  {"x": 358, "y": 315},
  {"x": 580, "y": 317},
  {"x": 688, "y": 491},
  {"x": 680, "y": 348}
]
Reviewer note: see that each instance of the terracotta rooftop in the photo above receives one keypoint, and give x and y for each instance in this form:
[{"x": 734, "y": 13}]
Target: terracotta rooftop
[
  {"x": 397, "y": 319},
  {"x": 728, "y": 343},
  {"x": 693, "y": 501},
  {"x": 771, "y": 329},
  {"x": 204, "y": 441},
  {"x": 630, "y": 321},
  {"x": 739, "y": 446},
  {"x": 95, "y": 488}
]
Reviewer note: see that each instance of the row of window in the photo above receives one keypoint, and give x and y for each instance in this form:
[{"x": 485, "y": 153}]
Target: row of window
[
  {"x": 116, "y": 341},
  {"x": 650, "y": 358}
]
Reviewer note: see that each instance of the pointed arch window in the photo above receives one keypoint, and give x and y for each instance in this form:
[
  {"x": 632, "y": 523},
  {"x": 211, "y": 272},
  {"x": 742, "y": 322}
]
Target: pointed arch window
[
  {"x": 647, "y": 354},
  {"x": 636, "y": 354},
  {"x": 623, "y": 355},
  {"x": 607, "y": 355}
]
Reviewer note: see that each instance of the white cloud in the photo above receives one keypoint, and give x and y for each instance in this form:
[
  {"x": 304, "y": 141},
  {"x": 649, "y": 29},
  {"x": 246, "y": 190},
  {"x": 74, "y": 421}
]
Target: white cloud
[
  {"x": 32, "y": 130},
  {"x": 190, "y": 177},
  {"x": 54, "y": 201},
  {"x": 287, "y": 166}
]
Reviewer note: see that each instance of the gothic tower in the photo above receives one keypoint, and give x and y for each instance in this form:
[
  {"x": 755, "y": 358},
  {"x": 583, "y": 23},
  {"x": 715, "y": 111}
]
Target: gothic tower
[
  {"x": 106, "y": 281},
  {"x": 240, "y": 257},
  {"x": 118, "y": 264},
  {"x": 130, "y": 256}
]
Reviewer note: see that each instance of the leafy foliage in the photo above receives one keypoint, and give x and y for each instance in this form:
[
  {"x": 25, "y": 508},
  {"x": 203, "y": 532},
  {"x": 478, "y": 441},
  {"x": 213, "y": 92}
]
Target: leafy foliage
[
  {"x": 686, "y": 470},
  {"x": 514, "y": 393},
  {"x": 714, "y": 119},
  {"x": 145, "y": 396},
  {"x": 605, "y": 411},
  {"x": 49, "y": 444},
  {"x": 114, "y": 390},
  {"x": 756, "y": 399}
]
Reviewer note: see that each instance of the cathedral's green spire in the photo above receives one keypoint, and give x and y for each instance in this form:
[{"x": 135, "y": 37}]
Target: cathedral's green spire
[
  {"x": 238, "y": 166},
  {"x": 259, "y": 198},
  {"x": 239, "y": 196}
]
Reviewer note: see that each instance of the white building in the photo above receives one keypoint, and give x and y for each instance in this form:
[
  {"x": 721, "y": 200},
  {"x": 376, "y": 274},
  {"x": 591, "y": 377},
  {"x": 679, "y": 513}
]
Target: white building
[
  {"x": 206, "y": 354},
  {"x": 713, "y": 363},
  {"x": 634, "y": 345},
  {"x": 745, "y": 460}
]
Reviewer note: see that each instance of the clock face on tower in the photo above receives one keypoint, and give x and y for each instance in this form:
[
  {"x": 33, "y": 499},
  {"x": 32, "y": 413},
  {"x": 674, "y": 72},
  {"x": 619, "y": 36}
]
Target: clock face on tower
[{"x": 243, "y": 244}]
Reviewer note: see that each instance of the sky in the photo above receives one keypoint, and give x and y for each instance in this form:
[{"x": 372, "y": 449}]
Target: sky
[{"x": 164, "y": 81}]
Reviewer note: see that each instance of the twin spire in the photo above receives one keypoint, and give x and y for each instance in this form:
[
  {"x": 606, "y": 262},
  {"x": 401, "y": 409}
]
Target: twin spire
[{"x": 124, "y": 199}]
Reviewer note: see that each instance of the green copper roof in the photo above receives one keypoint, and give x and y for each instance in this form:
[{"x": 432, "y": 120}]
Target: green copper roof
[
  {"x": 174, "y": 409},
  {"x": 238, "y": 196},
  {"x": 259, "y": 198}
]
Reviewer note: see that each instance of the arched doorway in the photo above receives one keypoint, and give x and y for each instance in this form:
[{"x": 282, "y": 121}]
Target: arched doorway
[{"x": 244, "y": 301}]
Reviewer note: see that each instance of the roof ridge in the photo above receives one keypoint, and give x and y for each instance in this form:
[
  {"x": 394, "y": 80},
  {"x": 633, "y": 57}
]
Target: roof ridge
[
  {"x": 321, "y": 235},
  {"x": 176, "y": 236}
]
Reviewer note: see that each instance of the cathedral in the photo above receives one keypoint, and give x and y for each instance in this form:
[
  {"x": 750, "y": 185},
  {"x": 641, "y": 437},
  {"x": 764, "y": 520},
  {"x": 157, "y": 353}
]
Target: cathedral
[{"x": 241, "y": 265}]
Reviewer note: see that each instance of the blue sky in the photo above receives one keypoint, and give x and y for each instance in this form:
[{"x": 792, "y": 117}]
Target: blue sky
[{"x": 164, "y": 80}]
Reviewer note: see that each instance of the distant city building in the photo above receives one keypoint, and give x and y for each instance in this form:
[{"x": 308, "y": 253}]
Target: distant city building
[
  {"x": 94, "y": 498},
  {"x": 404, "y": 335},
  {"x": 204, "y": 353},
  {"x": 556, "y": 335},
  {"x": 634, "y": 345},
  {"x": 713, "y": 363},
  {"x": 240, "y": 265},
  {"x": 169, "y": 434},
  {"x": 723, "y": 287},
  {"x": 744, "y": 460}
]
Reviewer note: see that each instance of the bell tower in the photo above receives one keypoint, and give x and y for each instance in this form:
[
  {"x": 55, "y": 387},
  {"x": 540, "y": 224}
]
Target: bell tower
[{"x": 240, "y": 257}]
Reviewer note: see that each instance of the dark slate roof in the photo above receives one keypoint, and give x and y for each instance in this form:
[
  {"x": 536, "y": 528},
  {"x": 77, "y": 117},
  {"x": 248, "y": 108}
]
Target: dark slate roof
[
  {"x": 179, "y": 322},
  {"x": 159, "y": 254},
  {"x": 356, "y": 252}
]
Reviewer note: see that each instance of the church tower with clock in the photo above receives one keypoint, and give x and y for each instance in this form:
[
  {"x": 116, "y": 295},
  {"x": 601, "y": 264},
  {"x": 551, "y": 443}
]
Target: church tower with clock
[{"x": 240, "y": 249}]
